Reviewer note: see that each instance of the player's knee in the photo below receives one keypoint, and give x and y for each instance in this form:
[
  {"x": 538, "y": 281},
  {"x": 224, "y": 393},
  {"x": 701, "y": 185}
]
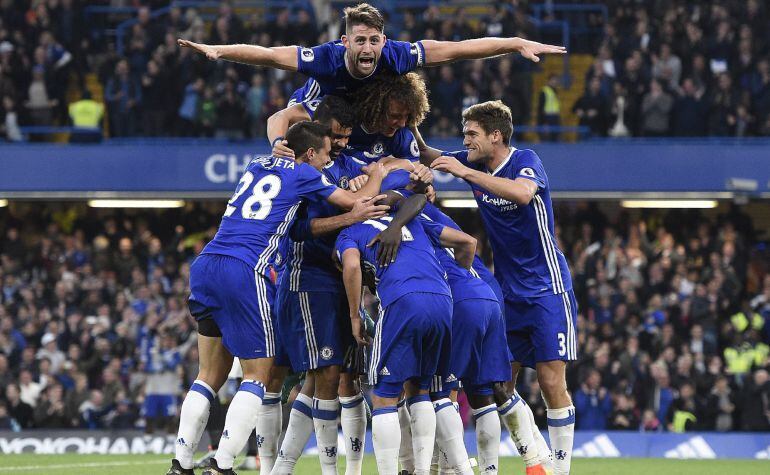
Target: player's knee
[
  {"x": 552, "y": 384},
  {"x": 327, "y": 379},
  {"x": 500, "y": 393}
]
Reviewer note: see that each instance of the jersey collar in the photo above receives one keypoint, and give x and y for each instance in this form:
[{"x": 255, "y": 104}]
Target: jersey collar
[{"x": 505, "y": 162}]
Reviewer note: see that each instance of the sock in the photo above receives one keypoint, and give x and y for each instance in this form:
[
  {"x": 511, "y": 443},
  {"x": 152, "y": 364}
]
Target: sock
[
  {"x": 423, "y": 425},
  {"x": 405, "y": 452},
  {"x": 297, "y": 434},
  {"x": 487, "y": 438},
  {"x": 561, "y": 431},
  {"x": 517, "y": 422},
  {"x": 450, "y": 438},
  {"x": 386, "y": 439},
  {"x": 192, "y": 421},
  {"x": 240, "y": 421},
  {"x": 268, "y": 430},
  {"x": 434, "y": 460},
  {"x": 325, "y": 421},
  {"x": 543, "y": 451},
  {"x": 353, "y": 421}
]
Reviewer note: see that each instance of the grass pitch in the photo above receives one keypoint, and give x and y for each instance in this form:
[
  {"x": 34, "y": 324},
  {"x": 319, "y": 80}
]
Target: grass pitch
[{"x": 72, "y": 464}]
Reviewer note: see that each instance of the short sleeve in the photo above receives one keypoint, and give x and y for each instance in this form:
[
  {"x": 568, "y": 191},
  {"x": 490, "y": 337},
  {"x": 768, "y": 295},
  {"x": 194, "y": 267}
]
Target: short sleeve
[
  {"x": 402, "y": 56},
  {"x": 321, "y": 60},
  {"x": 309, "y": 95},
  {"x": 311, "y": 184},
  {"x": 405, "y": 145},
  {"x": 344, "y": 242},
  {"x": 529, "y": 166},
  {"x": 432, "y": 228}
]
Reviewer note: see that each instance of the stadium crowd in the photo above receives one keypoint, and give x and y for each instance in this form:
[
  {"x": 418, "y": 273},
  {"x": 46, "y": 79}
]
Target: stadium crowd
[
  {"x": 674, "y": 318},
  {"x": 662, "y": 68}
]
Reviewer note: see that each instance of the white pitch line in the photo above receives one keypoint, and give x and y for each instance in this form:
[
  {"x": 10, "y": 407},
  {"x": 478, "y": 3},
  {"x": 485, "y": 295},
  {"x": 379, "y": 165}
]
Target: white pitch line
[{"x": 82, "y": 465}]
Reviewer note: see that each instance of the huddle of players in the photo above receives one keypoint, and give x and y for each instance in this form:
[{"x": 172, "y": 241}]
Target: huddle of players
[{"x": 267, "y": 290}]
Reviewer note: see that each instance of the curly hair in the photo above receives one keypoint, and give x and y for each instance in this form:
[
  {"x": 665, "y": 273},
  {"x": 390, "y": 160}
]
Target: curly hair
[{"x": 371, "y": 101}]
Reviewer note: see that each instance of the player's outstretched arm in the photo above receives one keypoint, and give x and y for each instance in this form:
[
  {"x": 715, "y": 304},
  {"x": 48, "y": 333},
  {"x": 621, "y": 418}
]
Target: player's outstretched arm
[
  {"x": 279, "y": 123},
  {"x": 463, "y": 244},
  {"x": 390, "y": 238},
  {"x": 363, "y": 209},
  {"x": 427, "y": 153},
  {"x": 442, "y": 52},
  {"x": 351, "y": 277},
  {"x": 280, "y": 57},
  {"x": 519, "y": 191}
]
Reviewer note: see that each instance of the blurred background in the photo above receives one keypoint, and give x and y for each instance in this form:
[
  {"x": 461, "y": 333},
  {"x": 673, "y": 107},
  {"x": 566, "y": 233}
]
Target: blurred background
[{"x": 119, "y": 149}]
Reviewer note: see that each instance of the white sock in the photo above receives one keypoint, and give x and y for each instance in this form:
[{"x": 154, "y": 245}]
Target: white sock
[
  {"x": 423, "y": 422},
  {"x": 450, "y": 438},
  {"x": 297, "y": 434},
  {"x": 353, "y": 421},
  {"x": 240, "y": 421},
  {"x": 325, "y": 421},
  {"x": 561, "y": 431},
  {"x": 386, "y": 438},
  {"x": 516, "y": 419},
  {"x": 268, "y": 431},
  {"x": 435, "y": 469},
  {"x": 487, "y": 438},
  {"x": 405, "y": 452},
  {"x": 543, "y": 451},
  {"x": 192, "y": 421}
]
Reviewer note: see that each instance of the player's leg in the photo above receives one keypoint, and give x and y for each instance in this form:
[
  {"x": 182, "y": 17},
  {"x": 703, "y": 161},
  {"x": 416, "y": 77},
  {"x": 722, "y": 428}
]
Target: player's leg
[
  {"x": 556, "y": 343},
  {"x": 270, "y": 419},
  {"x": 326, "y": 405},
  {"x": 386, "y": 437},
  {"x": 488, "y": 428},
  {"x": 353, "y": 422},
  {"x": 298, "y": 431},
  {"x": 214, "y": 365},
  {"x": 406, "y": 450}
]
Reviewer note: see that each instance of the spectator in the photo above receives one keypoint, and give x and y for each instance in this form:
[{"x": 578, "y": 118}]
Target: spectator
[
  {"x": 755, "y": 403},
  {"x": 29, "y": 389},
  {"x": 255, "y": 103},
  {"x": 622, "y": 112},
  {"x": 684, "y": 413},
  {"x": 722, "y": 109},
  {"x": 51, "y": 352},
  {"x": 188, "y": 110},
  {"x": 94, "y": 412},
  {"x": 50, "y": 412},
  {"x": 448, "y": 89},
  {"x": 592, "y": 109},
  {"x": 656, "y": 108},
  {"x": 623, "y": 416},
  {"x": 549, "y": 107},
  {"x": 18, "y": 410},
  {"x": 161, "y": 360},
  {"x": 86, "y": 113},
  {"x": 689, "y": 112},
  {"x": 719, "y": 408},
  {"x": 123, "y": 96},
  {"x": 667, "y": 67},
  {"x": 39, "y": 101},
  {"x": 155, "y": 87},
  {"x": 9, "y": 126},
  {"x": 230, "y": 114},
  {"x": 592, "y": 403}
]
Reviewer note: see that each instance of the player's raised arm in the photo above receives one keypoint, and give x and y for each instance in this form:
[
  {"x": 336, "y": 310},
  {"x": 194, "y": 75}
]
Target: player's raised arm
[
  {"x": 427, "y": 153},
  {"x": 280, "y": 57},
  {"x": 442, "y": 52},
  {"x": 519, "y": 191},
  {"x": 279, "y": 123},
  {"x": 345, "y": 199}
]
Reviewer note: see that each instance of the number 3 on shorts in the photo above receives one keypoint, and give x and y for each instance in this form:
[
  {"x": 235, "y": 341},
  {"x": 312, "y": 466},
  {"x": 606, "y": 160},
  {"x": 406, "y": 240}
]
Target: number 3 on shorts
[{"x": 562, "y": 341}]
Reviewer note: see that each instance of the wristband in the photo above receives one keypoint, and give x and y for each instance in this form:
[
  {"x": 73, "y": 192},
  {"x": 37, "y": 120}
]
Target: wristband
[{"x": 272, "y": 144}]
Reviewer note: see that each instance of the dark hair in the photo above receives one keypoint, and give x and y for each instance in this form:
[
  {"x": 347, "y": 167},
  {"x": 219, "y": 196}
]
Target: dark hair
[
  {"x": 363, "y": 14},
  {"x": 303, "y": 136},
  {"x": 491, "y": 116},
  {"x": 337, "y": 108},
  {"x": 371, "y": 101}
]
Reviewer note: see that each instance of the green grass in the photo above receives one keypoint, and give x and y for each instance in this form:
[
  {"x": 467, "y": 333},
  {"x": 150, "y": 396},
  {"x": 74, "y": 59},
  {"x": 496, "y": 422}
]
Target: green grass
[{"x": 71, "y": 464}]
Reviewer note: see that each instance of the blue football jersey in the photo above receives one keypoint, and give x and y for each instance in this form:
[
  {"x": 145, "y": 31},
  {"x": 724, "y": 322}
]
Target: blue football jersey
[
  {"x": 369, "y": 147},
  {"x": 325, "y": 64},
  {"x": 528, "y": 263},
  {"x": 309, "y": 259},
  {"x": 465, "y": 284},
  {"x": 263, "y": 208},
  {"x": 416, "y": 268}
]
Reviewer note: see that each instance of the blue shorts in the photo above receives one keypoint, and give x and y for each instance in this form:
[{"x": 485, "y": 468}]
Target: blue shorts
[
  {"x": 480, "y": 354},
  {"x": 159, "y": 405},
  {"x": 238, "y": 299},
  {"x": 412, "y": 340},
  {"x": 314, "y": 328},
  {"x": 542, "y": 328}
]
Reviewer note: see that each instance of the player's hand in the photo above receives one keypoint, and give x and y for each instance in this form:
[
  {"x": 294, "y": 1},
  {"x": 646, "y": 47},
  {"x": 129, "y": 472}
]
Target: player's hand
[
  {"x": 359, "y": 330},
  {"x": 366, "y": 208},
  {"x": 530, "y": 49},
  {"x": 208, "y": 51},
  {"x": 430, "y": 193},
  {"x": 376, "y": 170},
  {"x": 422, "y": 174},
  {"x": 390, "y": 240},
  {"x": 358, "y": 182},
  {"x": 449, "y": 165},
  {"x": 281, "y": 150}
]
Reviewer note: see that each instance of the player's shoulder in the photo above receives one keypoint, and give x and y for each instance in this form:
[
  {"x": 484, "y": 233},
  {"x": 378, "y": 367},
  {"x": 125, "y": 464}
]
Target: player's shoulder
[{"x": 525, "y": 156}]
